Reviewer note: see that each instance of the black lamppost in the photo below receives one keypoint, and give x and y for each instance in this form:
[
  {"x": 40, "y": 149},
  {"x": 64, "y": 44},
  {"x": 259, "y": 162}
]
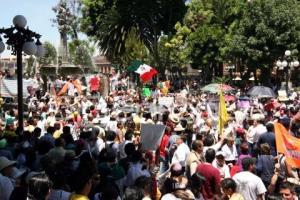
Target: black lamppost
[
  {"x": 286, "y": 65},
  {"x": 21, "y": 39}
]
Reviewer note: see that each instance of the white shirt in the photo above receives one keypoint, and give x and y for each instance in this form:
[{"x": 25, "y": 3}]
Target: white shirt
[
  {"x": 224, "y": 170},
  {"x": 259, "y": 130},
  {"x": 249, "y": 185},
  {"x": 181, "y": 154},
  {"x": 169, "y": 196},
  {"x": 215, "y": 147},
  {"x": 230, "y": 152},
  {"x": 111, "y": 126},
  {"x": 239, "y": 117},
  {"x": 6, "y": 187},
  {"x": 100, "y": 144},
  {"x": 122, "y": 148},
  {"x": 71, "y": 89},
  {"x": 41, "y": 124},
  {"x": 250, "y": 134}
]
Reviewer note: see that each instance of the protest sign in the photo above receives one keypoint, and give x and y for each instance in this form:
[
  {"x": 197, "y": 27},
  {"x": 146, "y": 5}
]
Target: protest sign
[
  {"x": 151, "y": 135},
  {"x": 166, "y": 101},
  {"x": 181, "y": 99},
  {"x": 243, "y": 104}
]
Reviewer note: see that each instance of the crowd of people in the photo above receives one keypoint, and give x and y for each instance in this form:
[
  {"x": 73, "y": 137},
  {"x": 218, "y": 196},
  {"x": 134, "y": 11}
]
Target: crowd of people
[{"x": 80, "y": 147}]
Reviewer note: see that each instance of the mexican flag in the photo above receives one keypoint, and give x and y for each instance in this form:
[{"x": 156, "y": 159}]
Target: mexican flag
[{"x": 145, "y": 71}]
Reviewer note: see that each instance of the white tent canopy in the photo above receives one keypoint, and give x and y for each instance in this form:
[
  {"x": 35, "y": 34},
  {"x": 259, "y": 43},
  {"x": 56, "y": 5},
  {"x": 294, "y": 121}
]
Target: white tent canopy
[{"x": 9, "y": 88}]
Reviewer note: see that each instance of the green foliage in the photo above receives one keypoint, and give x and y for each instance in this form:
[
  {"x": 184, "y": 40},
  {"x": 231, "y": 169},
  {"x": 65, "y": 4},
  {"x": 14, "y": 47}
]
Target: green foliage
[
  {"x": 109, "y": 23},
  {"x": 135, "y": 49},
  {"x": 266, "y": 29},
  {"x": 222, "y": 79},
  {"x": 67, "y": 19},
  {"x": 210, "y": 22},
  {"x": 212, "y": 32},
  {"x": 175, "y": 47},
  {"x": 50, "y": 56},
  {"x": 80, "y": 53}
]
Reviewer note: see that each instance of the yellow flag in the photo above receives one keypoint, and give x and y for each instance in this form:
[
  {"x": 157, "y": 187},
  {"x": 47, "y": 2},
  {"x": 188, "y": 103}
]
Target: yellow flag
[{"x": 223, "y": 115}]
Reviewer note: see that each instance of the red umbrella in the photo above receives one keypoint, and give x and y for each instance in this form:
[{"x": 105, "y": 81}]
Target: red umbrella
[
  {"x": 229, "y": 98},
  {"x": 271, "y": 105}
]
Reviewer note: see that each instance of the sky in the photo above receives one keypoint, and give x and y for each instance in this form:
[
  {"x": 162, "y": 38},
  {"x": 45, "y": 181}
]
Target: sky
[{"x": 38, "y": 14}]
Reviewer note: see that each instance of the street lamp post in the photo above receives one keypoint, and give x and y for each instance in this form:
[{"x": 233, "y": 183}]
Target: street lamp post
[
  {"x": 286, "y": 65},
  {"x": 21, "y": 39}
]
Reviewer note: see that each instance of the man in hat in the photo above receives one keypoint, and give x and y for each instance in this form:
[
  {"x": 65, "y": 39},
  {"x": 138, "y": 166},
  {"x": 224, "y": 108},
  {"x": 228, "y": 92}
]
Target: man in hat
[
  {"x": 230, "y": 151},
  {"x": 6, "y": 170}
]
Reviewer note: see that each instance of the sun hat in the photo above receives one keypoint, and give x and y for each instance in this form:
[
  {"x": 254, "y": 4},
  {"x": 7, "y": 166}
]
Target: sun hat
[
  {"x": 113, "y": 115},
  {"x": 4, "y": 162},
  {"x": 178, "y": 127},
  {"x": 174, "y": 118}
]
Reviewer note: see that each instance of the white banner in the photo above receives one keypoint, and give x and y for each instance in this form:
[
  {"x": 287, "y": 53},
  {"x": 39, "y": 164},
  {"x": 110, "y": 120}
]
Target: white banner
[
  {"x": 9, "y": 88},
  {"x": 166, "y": 101}
]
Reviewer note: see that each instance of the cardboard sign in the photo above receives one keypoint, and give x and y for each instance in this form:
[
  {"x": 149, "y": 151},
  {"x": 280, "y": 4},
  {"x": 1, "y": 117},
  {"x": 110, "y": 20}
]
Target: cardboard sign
[
  {"x": 180, "y": 99},
  {"x": 151, "y": 136}
]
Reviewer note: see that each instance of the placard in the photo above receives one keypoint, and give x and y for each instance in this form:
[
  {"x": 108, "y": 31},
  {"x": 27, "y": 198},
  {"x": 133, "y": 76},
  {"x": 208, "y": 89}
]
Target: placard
[{"x": 151, "y": 135}]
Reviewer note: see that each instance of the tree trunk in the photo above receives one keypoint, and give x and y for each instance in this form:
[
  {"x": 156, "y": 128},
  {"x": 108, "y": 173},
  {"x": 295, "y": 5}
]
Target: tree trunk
[{"x": 265, "y": 76}]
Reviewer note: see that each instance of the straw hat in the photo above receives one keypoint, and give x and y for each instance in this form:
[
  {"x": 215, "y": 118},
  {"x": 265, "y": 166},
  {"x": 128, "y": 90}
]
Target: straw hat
[
  {"x": 174, "y": 118},
  {"x": 178, "y": 128},
  {"x": 113, "y": 115}
]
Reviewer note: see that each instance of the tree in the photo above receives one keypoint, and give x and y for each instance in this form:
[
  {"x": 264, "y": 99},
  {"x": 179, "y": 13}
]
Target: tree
[
  {"x": 210, "y": 22},
  {"x": 174, "y": 49},
  {"x": 50, "y": 56},
  {"x": 80, "y": 53},
  {"x": 135, "y": 49},
  {"x": 110, "y": 22},
  {"x": 266, "y": 29},
  {"x": 30, "y": 69}
]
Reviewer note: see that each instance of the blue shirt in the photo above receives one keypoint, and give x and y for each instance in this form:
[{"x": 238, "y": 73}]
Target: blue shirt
[
  {"x": 269, "y": 138},
  {"x": 49, "y": 138}
]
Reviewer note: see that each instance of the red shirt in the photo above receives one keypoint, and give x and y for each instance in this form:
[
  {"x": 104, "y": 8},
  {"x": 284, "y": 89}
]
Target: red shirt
[
  {"x": 212, "y": 184},
  {"x": 94, "y": 83},
  {"x": 163, "y": 144}
]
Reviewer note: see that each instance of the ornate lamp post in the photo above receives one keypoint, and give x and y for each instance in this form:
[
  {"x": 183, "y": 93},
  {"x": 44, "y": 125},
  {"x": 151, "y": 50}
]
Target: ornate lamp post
[
  {"x": 287, "y": 64},
  {"x": 21, "y": 39}
]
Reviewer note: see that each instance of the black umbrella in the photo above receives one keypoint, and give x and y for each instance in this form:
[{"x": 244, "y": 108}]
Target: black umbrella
[{"x": 261, "y": 92}]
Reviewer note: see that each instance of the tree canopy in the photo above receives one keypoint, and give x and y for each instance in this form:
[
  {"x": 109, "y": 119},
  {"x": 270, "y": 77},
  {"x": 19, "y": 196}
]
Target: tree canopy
[
  {"x": 50, "y": 56},
  {"x": 110, "y": 22},
  {"x": 204, "y": 33}
]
